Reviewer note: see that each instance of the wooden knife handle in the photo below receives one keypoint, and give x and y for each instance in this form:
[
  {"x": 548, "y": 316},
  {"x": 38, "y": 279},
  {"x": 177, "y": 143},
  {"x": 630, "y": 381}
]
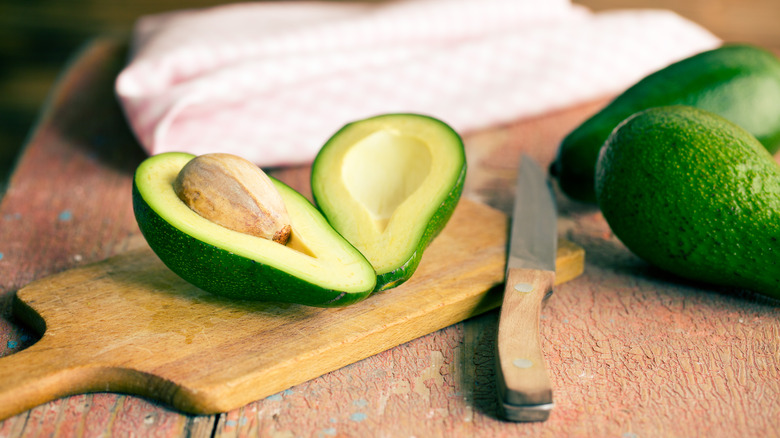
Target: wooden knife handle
[{"x": 523, "y": 383}]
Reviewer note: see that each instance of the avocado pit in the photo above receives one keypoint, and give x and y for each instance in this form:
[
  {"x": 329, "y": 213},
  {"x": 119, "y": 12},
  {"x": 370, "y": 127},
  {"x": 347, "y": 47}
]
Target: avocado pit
[{"x": 234, "y": 193}]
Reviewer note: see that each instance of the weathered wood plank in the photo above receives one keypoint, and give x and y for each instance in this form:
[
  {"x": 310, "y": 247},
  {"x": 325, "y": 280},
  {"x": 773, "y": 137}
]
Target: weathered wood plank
[{"x": 105, "y": 414}]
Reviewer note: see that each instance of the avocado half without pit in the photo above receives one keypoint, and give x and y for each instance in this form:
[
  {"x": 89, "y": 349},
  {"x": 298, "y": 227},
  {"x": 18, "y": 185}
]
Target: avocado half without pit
[
  {"x": 315, "y": 267},
  {"x": 389, "y": 184}
]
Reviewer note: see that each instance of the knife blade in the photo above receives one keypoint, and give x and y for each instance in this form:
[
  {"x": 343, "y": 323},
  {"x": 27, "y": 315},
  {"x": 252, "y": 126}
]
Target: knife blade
[{"x": 523, "y": 382}]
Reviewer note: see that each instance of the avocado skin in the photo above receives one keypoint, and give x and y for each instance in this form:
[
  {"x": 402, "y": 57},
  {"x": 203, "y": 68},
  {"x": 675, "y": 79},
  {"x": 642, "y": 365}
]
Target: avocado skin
[
  {"x": 223, "y": 273},
  {"x": 738, "y": 82},
  {"x": 694, "y": 194}
]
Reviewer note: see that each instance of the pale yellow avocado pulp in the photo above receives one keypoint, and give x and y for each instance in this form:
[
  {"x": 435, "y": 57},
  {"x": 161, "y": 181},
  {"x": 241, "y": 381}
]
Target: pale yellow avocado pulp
[
  {"x": 383, "y": 170},
  {"x": 382, "y": 183},
  {"x": 315, "y": 252}
]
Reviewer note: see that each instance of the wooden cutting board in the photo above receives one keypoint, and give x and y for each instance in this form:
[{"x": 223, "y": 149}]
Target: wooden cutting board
[{"x": 130, "y": 325}]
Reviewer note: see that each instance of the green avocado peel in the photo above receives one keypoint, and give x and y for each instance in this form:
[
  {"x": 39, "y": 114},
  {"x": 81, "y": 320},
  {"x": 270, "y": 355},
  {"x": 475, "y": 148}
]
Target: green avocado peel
[{"x": 694, "y": 194}]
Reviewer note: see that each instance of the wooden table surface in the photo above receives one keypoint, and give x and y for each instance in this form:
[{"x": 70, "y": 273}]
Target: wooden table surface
[{"x": 633, "y": 352}]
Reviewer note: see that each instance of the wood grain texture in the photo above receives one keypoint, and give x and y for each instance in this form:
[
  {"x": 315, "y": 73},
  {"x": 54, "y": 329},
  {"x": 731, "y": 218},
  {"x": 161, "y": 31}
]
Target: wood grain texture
[
  {"x": 632, "y": 352},
  {"x": 522, "y": 373}
]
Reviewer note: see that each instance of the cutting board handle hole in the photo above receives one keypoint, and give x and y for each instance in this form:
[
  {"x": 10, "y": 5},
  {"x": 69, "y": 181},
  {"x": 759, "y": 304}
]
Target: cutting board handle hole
[{"x": 29, "y": 325}]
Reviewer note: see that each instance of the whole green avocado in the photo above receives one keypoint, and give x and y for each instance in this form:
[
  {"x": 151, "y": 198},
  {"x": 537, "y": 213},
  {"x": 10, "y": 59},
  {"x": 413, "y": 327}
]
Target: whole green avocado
[
  {"x": 694, "y": 194},
  {"x": 738, "y": 82}
]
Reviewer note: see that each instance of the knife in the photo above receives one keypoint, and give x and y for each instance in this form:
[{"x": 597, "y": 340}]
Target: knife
[{"x": 523, "y": 383}]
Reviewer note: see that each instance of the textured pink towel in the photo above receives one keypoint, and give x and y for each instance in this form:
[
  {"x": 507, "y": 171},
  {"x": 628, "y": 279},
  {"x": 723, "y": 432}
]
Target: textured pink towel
[{"x": 273, "y": 81}]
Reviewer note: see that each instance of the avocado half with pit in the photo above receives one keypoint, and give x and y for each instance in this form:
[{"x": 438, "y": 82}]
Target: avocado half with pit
[
  {"x": 389, "y": 184},
  {"x": 317, "y": 267}
]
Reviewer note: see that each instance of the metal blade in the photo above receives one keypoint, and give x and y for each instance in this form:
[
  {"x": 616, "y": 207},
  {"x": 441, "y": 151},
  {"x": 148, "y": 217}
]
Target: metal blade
[{"x": 533, "y": 241}]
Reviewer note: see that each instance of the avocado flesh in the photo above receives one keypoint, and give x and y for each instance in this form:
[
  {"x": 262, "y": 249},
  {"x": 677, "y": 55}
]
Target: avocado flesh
[
  {"x": 694, "y": 194},
  {"x": 738, "y": 82},
  {"x": 389, "y": 184},
  {"x": 317, "y": 267}
]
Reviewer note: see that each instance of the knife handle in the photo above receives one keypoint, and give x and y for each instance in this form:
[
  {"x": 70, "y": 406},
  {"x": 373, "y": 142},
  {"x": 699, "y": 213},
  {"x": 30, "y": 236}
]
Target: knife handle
[{"x": 523, "y": 383}]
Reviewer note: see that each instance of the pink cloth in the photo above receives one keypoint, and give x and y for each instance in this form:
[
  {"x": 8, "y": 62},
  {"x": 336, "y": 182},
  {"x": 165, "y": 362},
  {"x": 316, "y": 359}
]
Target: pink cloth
[{"x": 273, "y": 81}]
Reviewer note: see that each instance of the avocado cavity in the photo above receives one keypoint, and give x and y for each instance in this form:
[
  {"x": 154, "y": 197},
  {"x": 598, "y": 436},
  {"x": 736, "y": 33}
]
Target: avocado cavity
[{"x": 381, "y": 171}]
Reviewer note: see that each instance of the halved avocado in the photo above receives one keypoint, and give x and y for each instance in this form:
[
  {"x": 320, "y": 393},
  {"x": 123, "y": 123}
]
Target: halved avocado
[
  {"x": 317, "y": 267},
  {"x": 389, "y": 184}
]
